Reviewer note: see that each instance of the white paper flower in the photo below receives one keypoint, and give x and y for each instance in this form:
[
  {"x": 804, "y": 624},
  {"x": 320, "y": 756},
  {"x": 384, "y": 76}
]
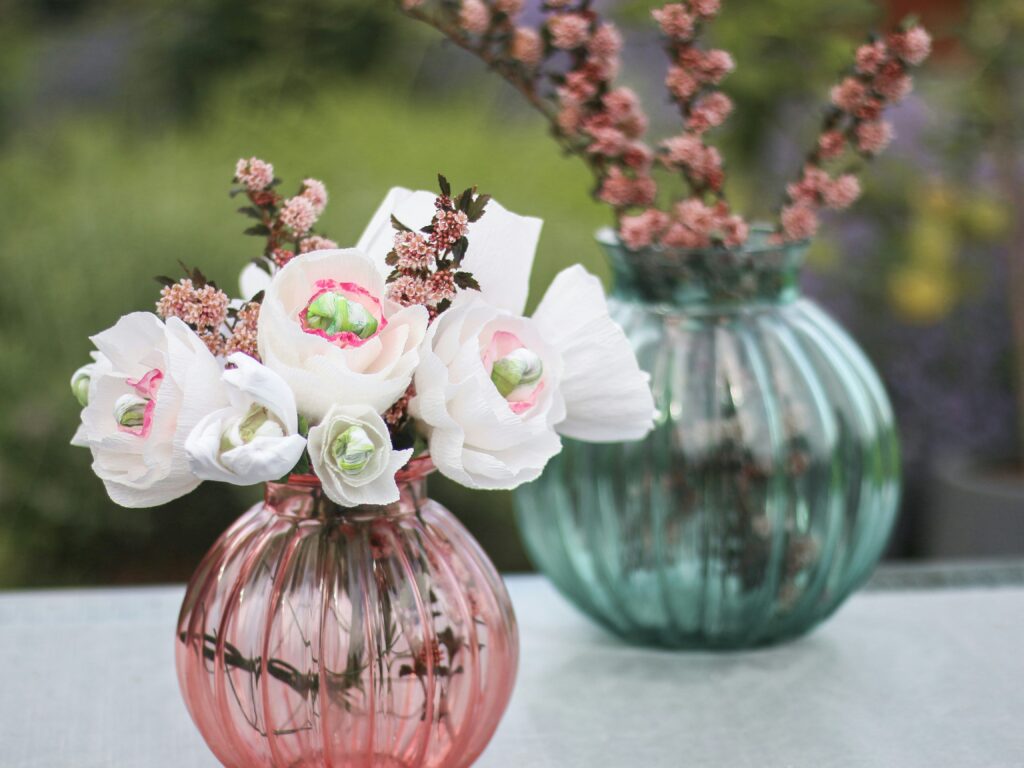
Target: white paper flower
[
  {"x": 352, "y": 456},
  {"x": 151, "y": 384},
  {"x": 501, "y": 244},
  {"x": 495, "y": 390},
  {"x": 254, "y": 439},
  {"x": 327, "y": 329}
]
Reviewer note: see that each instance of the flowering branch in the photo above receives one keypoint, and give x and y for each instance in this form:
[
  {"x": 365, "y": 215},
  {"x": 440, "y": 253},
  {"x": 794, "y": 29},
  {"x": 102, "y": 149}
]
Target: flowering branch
[
  {"x": 692, "y": 75},
  {"x": 854, "y": 124}
]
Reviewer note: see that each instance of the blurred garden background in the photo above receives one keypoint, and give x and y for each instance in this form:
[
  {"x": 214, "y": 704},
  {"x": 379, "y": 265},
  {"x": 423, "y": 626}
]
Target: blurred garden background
[{"x": 120, "y": 123}]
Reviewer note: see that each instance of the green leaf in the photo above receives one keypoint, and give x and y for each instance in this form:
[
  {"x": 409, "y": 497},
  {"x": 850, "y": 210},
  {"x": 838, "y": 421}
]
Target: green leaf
[
  {"x": 405, "y": 670},
  {"x": 476, "y": 210},
  {"x": 252, "y": 213},
  {"x": 237, "y": 191},
  {"x": 260, "y": 230},
  {"x": 395, "y": 274},
  {"x": 466, "y": 200},
  {"x": 459, "y": 250},
  {"x": 391, "y": 259},
  {"x": 446, "y": 188},
  {"x": 164, "y": 280},
  {"x": 466, "y": 281},
  {"x": 398, "y": 225}
]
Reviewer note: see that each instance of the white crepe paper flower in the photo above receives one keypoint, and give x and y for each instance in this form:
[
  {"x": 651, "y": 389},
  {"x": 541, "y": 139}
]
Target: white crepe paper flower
[
  {"x": 151, "y": 383},
  {"x": 328, "y": 330},
  {"x": 501, "y": 244},
  {"x": 254, "y": 439},
  {"x": 352, "y": 455},
  {"x": 495, "y": 390}
]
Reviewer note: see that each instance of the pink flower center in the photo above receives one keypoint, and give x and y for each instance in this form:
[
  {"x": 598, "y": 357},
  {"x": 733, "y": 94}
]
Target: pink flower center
[
  {"x": 515, "y": 370},
  {"x": 135, "y": 413},
  {"x": 345, "y": 314}
]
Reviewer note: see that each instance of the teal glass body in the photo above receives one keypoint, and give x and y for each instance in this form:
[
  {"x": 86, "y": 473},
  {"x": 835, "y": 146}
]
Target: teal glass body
[{"x": 768, "y": 488}]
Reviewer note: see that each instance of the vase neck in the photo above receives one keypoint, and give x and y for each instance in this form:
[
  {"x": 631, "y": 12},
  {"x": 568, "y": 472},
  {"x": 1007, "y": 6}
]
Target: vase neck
[
  {"x": 716, "y": 279},
  {"x": 302, "y": 497}
]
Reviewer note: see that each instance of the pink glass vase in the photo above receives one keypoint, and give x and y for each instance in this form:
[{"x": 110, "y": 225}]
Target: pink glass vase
[{"x": 314, "y": 635}]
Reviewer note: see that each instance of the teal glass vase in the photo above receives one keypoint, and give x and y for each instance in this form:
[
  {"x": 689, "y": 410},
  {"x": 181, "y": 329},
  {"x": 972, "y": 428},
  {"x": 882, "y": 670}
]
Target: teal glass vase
[{"x": 768, "y": 488}]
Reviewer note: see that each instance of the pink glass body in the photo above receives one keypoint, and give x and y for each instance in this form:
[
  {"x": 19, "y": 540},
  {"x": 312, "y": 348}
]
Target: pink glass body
[{"x": 313, "y": 635}]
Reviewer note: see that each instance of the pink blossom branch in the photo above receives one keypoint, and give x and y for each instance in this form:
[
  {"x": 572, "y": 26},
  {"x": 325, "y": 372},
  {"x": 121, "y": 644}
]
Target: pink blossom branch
[
  {"x": 589, "y": 118},
  {"x": 853, "y": 126},
  {"x": 692, "y": 75}
]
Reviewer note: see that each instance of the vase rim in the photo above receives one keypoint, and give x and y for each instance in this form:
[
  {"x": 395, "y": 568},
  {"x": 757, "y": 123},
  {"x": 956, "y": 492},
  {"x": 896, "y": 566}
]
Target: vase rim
[{"x": 417, "y": 469}]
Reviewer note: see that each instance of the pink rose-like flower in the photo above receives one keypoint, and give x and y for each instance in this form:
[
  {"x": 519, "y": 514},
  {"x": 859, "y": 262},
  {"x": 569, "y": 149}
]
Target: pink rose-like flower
[
  {"x": 693, "y": 214},
  {"x": 674, "y": 20},
  {"x": 609, "y": 142},
  {"x": 569, "y": 31},
  {"x": 624, "y": 111},
  {"x": 527, "y": 46},
  {"x": 831, "y": 144},
  {"x": 254, "y": 174},
  {"x": 678, "y": 236},
  {"x": 299, "y": 215},
  {"x": 314, "y": 243},
  {"x": 893, "y": 85},
  {"x": 842, "y": 192},
  {"x": 706, "y": 8},
  {"x": 913, "y": 46},
  {"x": 642, "y": 230},
  {"x": 870, "y": 57},
  {"x": 621, "y": 191},
  {"x": 638, "y": 156},
  {"x": 874, "y": 137},
  {"x": 714, "y": 65},
  {"x": 315, "y": 191},
  {"x": 681, "y": 83},
  {"x": 811, "y": 186},
  {"x": 606, "y": 42},
  {"x": 849, "y": 94},
  {"x": 578, "y": 88},
  {"x": 799, "y": 221},
  {"x": 474, "y": 17},
  {"x": 735, "y": 231},
  {"x": 709, "y": 112}
]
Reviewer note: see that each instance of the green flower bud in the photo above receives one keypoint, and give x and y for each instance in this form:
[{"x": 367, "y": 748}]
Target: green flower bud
[
  {"x": 332, "y": 313},
  {"x": 517, "y": 369},
  {"x": 257, "y": 422},
  {"x": 80, "y": 380},
  {"x": 130, "y": 411},
  {"x": 352, "y": 451}
]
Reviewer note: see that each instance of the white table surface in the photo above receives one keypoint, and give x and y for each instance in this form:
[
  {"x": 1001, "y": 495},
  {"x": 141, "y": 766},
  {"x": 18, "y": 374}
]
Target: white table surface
[{"x": 897, "y": 679}]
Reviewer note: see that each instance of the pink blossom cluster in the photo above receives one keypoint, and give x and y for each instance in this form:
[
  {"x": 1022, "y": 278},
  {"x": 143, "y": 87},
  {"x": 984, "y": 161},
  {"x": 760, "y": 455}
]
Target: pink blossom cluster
[
  {"x": 200, "y": 307},
  {"x": 243, "y": 332},
  {"x": 315, "y": 243},
  {"x": 816, "y": 189},
  {"x": 254, "y": 174},
  {"x": 203, "y": 308}
]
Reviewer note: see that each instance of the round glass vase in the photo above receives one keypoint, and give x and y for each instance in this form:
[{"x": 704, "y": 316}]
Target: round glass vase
[
  {"x": 768, "y": 488},
  {"x": 371, "y": 637}
]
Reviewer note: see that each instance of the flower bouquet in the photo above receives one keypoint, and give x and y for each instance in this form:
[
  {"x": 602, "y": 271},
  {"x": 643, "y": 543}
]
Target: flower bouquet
[
  {"x": 767, "y": 489},
  {"x": 348, "y": 619}
]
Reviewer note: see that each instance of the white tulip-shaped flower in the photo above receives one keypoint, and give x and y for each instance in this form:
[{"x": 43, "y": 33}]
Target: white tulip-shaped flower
[
  {"x": 152, "y": 382},
  {"x": 254, "y": 439},
  {"x": 352, "y": 455},
  {"x": 495, "y": 390},
  {"x": 327, "y": 328}
]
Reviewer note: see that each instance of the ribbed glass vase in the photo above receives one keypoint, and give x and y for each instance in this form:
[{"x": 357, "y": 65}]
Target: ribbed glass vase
[
  {"x": 317, "y": 636},
  {"x": 768, "y": 488}
]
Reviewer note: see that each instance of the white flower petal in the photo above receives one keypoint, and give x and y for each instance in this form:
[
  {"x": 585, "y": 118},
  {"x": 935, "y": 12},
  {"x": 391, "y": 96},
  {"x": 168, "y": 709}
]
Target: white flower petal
[
  {"x": 502, "y": 244},
  {"x": 252, "y": 280},
  {"x": 607, "y": 397}
]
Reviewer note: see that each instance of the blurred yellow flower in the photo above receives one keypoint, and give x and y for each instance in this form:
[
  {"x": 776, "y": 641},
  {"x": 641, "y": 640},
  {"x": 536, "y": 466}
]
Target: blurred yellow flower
[
  {"x": 921, "y": 295},
  {"x": 986, "y": 218}
]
